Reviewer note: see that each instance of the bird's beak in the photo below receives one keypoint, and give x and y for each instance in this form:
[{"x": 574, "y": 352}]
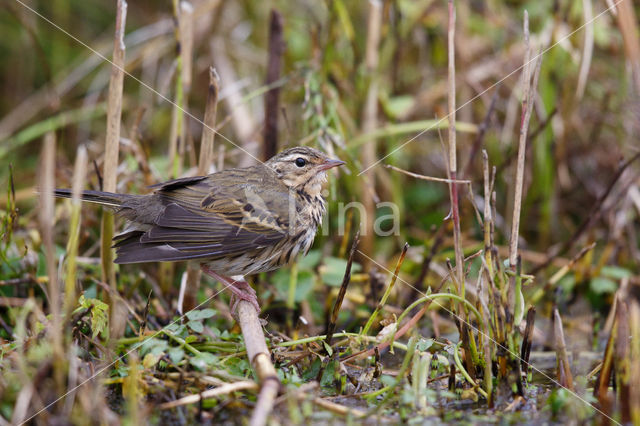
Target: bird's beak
[{"x": 330, "y": 163}]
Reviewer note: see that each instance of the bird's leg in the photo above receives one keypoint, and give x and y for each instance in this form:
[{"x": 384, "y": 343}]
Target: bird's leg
[{"x": 241, "y": 290}]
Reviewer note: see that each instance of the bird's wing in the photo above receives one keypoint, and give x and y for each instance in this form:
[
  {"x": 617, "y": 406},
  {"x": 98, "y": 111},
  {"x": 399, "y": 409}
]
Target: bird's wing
[{"x": 222, "y": 215}]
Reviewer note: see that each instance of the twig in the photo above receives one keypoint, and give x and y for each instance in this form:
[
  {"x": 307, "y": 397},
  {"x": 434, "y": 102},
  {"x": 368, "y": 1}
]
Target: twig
[
  {"x": 343, "y": 290},
  {"x": 271, "y": 98},
  {"x": 260, "y": 360},
  {"x": 423, "y": 177},
  {"x": 210, "y": 393}
]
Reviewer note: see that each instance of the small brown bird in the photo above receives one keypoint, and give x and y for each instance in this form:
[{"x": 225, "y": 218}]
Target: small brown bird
[{"x": 235, "y": 222}]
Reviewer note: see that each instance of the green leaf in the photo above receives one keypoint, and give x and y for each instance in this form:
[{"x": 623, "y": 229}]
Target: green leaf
[
  {"x": 176, "y": 354},
  {"x": 309, "y": 261},
  {"x": 602, "y": 285},
  {"x": 615, "y": 272},
  {"x": 177, "y": 329},
  {"x": 313, "y": 370},
  {"x": 238, "y": 366},
  {"x": 329, "y": 374},
  {"x": 333, "y": 270},
  {"x": 304, "y": 285},
  {"x": 200, "y": 314},
  {"x": 397, "y": 106},
  {"x": 150, "y": 360},
  {"x": 196, "y": 326},
  {"x": 387, "y": 380},
  {"x": 327, "y": 348},
  {"x": 203, "y": 360},
  {"x": 99, "y": 314},
  {"x": 424, "y": 344},
  {"x": 154, "y": 346}
]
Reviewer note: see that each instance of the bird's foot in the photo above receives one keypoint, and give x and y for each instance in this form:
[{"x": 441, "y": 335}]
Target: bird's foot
[{"x": 240, "y": 290}]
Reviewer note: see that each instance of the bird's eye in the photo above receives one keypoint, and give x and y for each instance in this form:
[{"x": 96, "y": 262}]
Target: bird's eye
[{"x": 300, "y": 162}]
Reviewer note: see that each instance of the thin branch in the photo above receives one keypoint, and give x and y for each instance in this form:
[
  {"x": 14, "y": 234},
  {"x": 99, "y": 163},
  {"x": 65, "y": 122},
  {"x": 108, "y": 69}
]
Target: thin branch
[
  {"x": 260, "y": 359},
  {"x": 343, "y": 290},
  {"x": 423, "y": 177},
  {"x": 210, "y": 393}
]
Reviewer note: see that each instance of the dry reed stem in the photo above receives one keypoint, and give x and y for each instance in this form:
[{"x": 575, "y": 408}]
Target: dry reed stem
[
  {"x": 260, "y": 359},
  {"x": 208, "y": 134},
  {"x": 177, "y": 130},
  {"x": 47, "y": 221},
  {"x": 453, "y": 167},
  {"x": 210, "y": 393},
  {"x": 190, "y": 285},
  {"x": 564, "y": 367},
  {"x": 587, "y": 49},
  {"x": 336, "y": 408},
  {"x": 423, "y": 177},
  {"x": 185, "y": 23},
  {"x": 529, "y": 84},
  {"x": 112, "y": 142},
  {"x": 622, "y": 361},
  {"x": 628, "y": 27},
  {"x": 527, "y": 104},
  {"x": 79, "y": 174},
  {"x": 369, "y": 124},
  {"x": 634, "y": 371}
]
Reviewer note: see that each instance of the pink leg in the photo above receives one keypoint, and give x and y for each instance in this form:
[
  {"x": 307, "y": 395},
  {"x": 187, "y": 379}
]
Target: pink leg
[{"x": 241, "y": 290}]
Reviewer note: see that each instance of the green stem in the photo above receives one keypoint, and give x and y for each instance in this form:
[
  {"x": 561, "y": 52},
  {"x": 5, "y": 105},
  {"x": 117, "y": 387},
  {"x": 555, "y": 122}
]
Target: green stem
[
  {"x": 293, "y": 283},
  {"x": 405, "y": 366},
  {"x": 458, "y": 362},
  {"x": 440, "y": 296},
  {"x": 181, "y": 342}
]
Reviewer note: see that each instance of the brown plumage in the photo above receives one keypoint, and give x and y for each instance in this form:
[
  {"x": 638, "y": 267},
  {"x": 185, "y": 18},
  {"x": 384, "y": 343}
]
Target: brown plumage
[{"x": 235, "y": 222}]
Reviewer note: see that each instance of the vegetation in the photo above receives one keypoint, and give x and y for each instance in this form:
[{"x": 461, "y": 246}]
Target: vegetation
[{"x": 487, "y": 268}]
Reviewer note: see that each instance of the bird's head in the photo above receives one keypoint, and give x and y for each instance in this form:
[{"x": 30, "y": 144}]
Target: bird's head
[{"x": 302, "y": 168}]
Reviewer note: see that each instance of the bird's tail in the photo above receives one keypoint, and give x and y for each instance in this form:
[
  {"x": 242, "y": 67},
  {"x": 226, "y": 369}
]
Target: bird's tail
[{"x": 109, "y": 199}]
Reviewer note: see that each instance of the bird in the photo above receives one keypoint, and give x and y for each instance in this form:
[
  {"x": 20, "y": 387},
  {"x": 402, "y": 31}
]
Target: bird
[{"x": 235, "y": 222}]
